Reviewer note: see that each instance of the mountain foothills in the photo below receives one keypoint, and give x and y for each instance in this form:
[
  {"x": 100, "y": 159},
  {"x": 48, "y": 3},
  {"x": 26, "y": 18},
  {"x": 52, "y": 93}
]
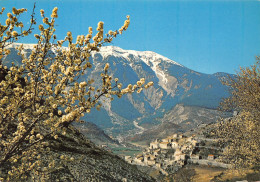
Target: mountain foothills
[
  {"x": 178, "y": 120},
  {"x": 179, "y": 100}
]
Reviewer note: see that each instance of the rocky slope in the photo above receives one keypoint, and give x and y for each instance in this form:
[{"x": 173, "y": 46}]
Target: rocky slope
[
  {"x": 95, "y": 164},
  {"x": 95, "y": 134},
  {"x": 90, "y": 163}
]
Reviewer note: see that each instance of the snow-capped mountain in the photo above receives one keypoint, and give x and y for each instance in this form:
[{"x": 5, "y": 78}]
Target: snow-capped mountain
[{"x": 173, "y": 84}]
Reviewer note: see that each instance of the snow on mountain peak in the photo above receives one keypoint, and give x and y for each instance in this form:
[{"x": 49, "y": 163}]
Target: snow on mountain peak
[
  {"x": 152, "y": 59},
  {"x": 146, "y": 56}
]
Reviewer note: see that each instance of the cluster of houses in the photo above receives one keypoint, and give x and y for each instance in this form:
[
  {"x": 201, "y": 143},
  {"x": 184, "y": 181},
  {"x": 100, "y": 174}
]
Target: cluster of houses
[{"x": 175, "y": 150}]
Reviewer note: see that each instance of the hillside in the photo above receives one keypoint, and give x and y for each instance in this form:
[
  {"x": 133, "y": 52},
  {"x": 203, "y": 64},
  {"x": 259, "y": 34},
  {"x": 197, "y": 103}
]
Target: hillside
[
  {"x": 96, "y": 164},
  {"x": 178, "y": 120},
  {"x": 95, "y": 134},
  {"x": 161, "y": 131},
  {"x": 190, "y": 117},
  {"x": 90, "y": 163}
]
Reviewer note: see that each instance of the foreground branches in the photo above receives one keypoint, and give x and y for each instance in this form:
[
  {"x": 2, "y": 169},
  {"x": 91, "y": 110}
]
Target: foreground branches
[{"x": 42, "y": 97}]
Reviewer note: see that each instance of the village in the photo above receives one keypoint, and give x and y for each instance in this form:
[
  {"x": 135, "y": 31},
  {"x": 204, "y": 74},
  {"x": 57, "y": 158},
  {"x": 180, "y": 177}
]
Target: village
[{"x": 175, "y": 151}]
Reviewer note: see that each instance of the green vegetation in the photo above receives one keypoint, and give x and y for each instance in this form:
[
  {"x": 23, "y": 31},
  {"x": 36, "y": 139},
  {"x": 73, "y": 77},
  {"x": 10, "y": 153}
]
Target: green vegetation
[{"x": 126, "y": 151}]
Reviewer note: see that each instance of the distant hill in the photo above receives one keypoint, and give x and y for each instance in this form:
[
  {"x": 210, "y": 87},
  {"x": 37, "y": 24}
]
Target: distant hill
[
  {"x": 161, "y": 131},
  {"x": 95, "y": 134},
  {"x": 178, "y": 120},
  {"x": 190, "y": 117}
]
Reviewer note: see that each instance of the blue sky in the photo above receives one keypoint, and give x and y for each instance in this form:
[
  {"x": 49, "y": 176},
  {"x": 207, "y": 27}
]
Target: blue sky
[{"x": 207, "y": 36}]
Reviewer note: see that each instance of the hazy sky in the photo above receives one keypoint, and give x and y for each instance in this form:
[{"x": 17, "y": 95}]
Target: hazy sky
[{"x": 206, "y": 36}]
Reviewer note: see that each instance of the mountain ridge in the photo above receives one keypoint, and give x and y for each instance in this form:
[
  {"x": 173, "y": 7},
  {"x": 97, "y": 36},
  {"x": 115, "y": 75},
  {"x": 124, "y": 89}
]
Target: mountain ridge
[{"x": 173, "y": 84}]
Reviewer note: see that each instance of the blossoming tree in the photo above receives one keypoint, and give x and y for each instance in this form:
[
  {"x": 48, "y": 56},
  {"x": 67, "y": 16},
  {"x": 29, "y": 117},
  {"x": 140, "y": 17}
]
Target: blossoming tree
[
  {"x": 241, "y": 133},
  {"x": 42, "y": 97}
]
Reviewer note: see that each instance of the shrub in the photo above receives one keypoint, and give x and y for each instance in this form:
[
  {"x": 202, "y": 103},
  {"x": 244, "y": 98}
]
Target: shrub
[{"x": 241, "y": 132}]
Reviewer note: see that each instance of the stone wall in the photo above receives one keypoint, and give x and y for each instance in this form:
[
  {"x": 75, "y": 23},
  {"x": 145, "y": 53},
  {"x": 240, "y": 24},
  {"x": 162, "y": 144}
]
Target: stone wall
[{"x": 209, "y": 162}]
